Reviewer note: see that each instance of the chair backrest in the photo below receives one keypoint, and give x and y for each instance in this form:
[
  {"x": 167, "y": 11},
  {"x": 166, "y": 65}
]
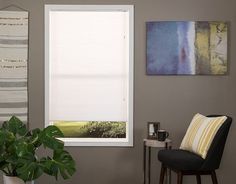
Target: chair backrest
[{"x": 214, "y": 155}]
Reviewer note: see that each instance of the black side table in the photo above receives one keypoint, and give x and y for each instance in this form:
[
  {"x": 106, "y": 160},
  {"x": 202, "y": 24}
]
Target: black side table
[{"x": 149, "y": 143}]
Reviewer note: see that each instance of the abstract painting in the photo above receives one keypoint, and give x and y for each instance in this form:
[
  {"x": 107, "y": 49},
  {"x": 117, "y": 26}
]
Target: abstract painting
[
  {"x": 13, "y": 65},
  {"x": 187, "y": 47}
]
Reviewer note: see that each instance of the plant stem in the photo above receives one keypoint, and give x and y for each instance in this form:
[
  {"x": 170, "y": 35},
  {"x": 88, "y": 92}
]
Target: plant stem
[
  {"x": 9, "y": 172},
  {"x": 5, "y": 172}
]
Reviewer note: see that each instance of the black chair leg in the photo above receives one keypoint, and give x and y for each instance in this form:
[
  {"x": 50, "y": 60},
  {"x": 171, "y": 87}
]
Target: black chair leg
[
  {"x": 162, "y": 175},
  {"x": 179, "y": 177},
  {"x": 213, "y": 177},
  {"x": 198, "y": 176}
]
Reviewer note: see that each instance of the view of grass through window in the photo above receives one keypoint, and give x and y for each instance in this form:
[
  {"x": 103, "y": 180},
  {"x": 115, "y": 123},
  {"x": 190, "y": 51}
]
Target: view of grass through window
[{"x": 92, "y": 129}]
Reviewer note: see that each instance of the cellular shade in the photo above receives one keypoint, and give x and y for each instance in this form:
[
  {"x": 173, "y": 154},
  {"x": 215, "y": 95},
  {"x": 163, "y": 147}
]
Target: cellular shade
[{"x": 88, "y": 65}]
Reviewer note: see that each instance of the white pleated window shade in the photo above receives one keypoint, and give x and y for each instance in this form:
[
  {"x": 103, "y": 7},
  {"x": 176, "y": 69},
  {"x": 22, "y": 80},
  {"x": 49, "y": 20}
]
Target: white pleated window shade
[{"x": 88, "y": 66}]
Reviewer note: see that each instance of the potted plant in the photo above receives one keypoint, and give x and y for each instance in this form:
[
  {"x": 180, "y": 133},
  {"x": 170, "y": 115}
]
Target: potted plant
[{"x": 18, "y": 153}]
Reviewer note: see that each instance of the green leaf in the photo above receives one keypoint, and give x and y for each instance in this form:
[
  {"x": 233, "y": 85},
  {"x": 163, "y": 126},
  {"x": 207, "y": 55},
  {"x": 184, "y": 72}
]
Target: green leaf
[
  {"x": 34, "y": 137},
  {"x": 49, "y": 167},
  {"x": 29, "y": 171},
  {"x": 28, "y": 168},
  {"x": 3, "y": 165},
  {"x": 65, "y": 162},
  {"x": 6, "y": 137},
  {"x": 16, "y": 126},
  {"x": 48, "y": 138},
  {"x": 18, "y": 147},
  {"x": 62, "y": 163},
  {"x": 22, "y": 147}
]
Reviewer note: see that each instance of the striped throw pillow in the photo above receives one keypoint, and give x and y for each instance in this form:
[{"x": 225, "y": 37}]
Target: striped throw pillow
[{"x": 201, "y": 133}]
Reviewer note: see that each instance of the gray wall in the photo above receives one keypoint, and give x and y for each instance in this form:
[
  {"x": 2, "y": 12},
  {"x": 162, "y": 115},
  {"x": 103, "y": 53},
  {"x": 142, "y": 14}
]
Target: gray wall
[{"x": 172, "y": 100}]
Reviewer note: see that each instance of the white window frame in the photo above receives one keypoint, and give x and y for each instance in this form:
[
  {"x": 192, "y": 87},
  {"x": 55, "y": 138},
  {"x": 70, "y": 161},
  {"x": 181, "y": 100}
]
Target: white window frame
[{"x": 128, "y": 141}]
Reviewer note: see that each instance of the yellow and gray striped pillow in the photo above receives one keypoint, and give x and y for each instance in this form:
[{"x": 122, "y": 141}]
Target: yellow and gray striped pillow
[{"x": 200, "y": 134}]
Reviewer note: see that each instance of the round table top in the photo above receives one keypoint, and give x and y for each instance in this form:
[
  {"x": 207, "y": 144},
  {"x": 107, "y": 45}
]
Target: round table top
[{"x": 156, "y": 143}]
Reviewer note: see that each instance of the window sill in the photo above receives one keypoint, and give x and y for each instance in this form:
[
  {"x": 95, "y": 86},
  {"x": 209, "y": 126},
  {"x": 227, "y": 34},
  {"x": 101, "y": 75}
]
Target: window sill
[{"x": 116, "y": 142}]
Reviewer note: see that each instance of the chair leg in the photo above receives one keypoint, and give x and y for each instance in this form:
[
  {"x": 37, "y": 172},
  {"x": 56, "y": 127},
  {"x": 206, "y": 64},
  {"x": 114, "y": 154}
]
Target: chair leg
[
  {"x": 198, "y": 176},
  {"x": 179, "y": 177},
  {"x": 162, "y": 175},
  {"x": 213, "y": 177}
]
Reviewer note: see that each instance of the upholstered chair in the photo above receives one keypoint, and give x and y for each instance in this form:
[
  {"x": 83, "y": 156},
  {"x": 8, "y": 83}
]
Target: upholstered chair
[{"x": 185, "y": 162}]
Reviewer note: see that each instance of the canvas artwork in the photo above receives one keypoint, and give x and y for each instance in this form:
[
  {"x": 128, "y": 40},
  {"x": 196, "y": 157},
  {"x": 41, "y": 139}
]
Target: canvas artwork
[
  {"x": 186, "y": 47},
  {"x": 13, "y": 65}
]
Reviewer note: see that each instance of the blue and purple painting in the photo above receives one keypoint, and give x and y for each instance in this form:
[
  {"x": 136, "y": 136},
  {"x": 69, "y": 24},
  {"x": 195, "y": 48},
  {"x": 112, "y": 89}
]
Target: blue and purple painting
[{"x": 186, "y": 47}]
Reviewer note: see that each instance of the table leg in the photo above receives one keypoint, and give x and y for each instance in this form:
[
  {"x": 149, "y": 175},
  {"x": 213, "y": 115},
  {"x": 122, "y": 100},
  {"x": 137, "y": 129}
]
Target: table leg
[
  {"x": 144, "y": 163},
  {"x": 166, "y": 179},
  {"x": 169, "y": 176},
  {"x": 149, "y": 165},
  {"x": 169, "y": 172}
]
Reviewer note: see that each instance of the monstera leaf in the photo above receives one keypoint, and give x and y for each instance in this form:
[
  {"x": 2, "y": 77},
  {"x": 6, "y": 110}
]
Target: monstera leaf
[
  {"x": 28, "y": 168},
  {"x": 34, "y": 137},
  {"x": 18, "y": 151},
  {"x": 48, "y": 138},
  {"x": 22, "y": 148},
  {"x": 6, "y": 137},
  {"x": 6, "y": 140},
  {"x": 16, "y": 126},
  {"x": 62, "y": 163}
]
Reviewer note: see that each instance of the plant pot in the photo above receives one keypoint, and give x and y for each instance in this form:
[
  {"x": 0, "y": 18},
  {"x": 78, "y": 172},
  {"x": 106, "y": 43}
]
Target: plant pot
[{"x": 14, "y": 180}]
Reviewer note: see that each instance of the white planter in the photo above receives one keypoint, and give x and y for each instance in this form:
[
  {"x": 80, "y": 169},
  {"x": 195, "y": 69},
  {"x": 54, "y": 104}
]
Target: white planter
[{"x": 14, "y": 180}]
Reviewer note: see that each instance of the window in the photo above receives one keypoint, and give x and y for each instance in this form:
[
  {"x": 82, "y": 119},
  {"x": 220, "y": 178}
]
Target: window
[{"x": 89, "y": 73}]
